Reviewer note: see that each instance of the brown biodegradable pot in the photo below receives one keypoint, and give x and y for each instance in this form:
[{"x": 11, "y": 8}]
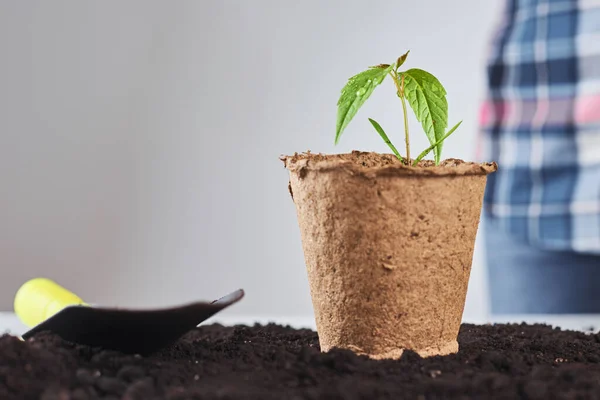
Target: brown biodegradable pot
[{"x": 388, "y": 248}]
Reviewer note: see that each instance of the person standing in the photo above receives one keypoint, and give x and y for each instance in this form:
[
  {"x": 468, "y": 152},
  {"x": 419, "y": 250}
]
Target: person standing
[{"x": 541, "y": 123}]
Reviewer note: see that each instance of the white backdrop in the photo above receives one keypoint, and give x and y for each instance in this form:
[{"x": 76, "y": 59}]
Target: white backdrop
[{"x": 140, "y": 139}]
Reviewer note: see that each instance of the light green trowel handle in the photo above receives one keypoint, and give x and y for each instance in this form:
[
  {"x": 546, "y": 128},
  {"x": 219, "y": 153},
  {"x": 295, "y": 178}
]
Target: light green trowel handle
[{"x": 40, "y": 298}]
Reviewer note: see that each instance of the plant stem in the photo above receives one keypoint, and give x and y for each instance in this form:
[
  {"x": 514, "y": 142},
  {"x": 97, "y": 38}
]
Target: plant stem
[
  {"x": 400, "y": 92},
  {"x": 405, "y": 123}
]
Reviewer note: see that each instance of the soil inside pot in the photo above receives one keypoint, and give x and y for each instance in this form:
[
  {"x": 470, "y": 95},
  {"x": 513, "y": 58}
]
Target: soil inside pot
[
  {"x": 274, "y": 362},
  {"x": 378, "y": 161}
]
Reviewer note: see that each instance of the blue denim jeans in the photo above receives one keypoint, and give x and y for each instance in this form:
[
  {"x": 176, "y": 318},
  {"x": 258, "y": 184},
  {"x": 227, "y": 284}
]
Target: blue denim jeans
[{"x": 526, "y": 280}]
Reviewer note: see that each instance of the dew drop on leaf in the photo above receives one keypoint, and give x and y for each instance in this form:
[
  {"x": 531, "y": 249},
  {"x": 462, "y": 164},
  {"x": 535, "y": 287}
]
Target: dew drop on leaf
[{"x": 361, "y": 91}]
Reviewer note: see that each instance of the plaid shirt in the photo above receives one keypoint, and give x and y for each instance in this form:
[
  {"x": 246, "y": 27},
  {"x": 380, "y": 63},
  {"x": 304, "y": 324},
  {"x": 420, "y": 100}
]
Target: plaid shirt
[{"x": 541, "y": 123}]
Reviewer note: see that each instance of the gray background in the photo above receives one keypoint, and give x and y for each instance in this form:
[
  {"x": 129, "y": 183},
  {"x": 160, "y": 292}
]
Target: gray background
[{"x": 139, "y": 140}]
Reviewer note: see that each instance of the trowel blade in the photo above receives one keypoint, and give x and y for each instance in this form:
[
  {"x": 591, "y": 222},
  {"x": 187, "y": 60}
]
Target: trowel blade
[{"x": 131, "y": 331}]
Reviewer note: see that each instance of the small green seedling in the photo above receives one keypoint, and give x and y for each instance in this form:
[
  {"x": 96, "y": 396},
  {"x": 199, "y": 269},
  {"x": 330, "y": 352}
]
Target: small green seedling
[{"x": 425, "y": 94}]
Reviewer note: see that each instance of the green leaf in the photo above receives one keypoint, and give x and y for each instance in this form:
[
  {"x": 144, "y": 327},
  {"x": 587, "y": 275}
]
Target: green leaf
[
  {"x": 385, "y": 138},
  {"x": 401, "y": 60},
  {"x": 427, "y": 150},
  {"x": 427, "y": 98},
  {"x": 355, "y": 93}
]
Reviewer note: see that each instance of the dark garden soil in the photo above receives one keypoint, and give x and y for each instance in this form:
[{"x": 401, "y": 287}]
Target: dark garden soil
[{"x": 274, "y": 362}]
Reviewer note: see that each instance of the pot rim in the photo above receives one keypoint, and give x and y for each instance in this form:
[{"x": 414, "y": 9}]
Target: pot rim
[{"x": 304, "y": 162}]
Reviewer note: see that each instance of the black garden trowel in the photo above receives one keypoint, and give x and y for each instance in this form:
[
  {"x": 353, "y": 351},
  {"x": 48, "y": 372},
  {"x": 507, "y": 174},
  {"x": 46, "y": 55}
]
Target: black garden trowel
[{"x": 43, "y": 305}]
